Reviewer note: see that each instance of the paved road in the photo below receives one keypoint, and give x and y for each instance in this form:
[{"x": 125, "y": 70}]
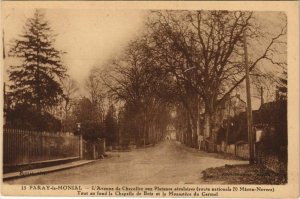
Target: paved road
[{"x": 167, "y": 163}]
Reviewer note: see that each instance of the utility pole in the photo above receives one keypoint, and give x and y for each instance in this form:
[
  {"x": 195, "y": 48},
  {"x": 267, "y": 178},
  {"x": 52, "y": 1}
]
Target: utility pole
[
  {"x": 5, "y": 105},
  {"x": 249, "y": 109},
  {"x": 4, "y": 94},
  {"x": 198, "y": 122},
  {"x": 228, "y": 125},
  {"x": 261, "y": 96},
  {"x": 3, "y": 44}
]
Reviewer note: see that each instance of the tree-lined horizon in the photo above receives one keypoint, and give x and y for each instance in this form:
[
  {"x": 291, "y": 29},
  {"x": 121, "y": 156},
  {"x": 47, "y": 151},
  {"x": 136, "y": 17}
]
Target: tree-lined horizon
[
  {"x": 196, "y": 59},
  {"x": 188, "y": 62}
]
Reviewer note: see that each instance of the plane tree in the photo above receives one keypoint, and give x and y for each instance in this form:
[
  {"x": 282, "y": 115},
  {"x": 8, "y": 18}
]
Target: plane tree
[
  {"x": 134, "y": 80},
  {"x": 203, "y": 50}
]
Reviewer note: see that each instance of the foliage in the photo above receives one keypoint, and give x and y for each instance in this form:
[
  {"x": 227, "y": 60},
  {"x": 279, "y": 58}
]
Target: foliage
[
  {"x": 91, "y": 130},
  {"x": 111, "y": 126},
  {"x": 275, "y": 137},
  {"x": 244, "y": 174},
  {"x": 36, "y": 80},
  {"x": 203, "y": 51},
  {"x": 26, "y": 117},
  {"x": 281, "y": 93},
  {"x": 83, "y": 110},
  {"x": 97, "y": 94},
  {"x": 272, "y": 115},
  {"x": 136, "y": 82},
  {"x": 237, "y": 128},
  {"x": 187, "y": 61},
  {"x": 70, "y": 88},
  {"x": 127, "y": 127}
]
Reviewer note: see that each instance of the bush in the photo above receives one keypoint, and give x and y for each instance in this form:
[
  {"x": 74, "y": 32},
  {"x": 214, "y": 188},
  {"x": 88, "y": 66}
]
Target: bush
[
  {"x": 275, "y": 115},
  {"x": 26, "y": 117},
  {"x": 91, "y": 131}
]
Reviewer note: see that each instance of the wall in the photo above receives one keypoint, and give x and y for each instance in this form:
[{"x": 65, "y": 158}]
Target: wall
[
  {"x": 26, "y": 147},
  {"x": 239, "y": 149},
  {"x": 93, "y": 150},
  {"x": 242, "y": 151},
  {"x": 231, "y": 149},
  {"x": 221, "y": 148}
]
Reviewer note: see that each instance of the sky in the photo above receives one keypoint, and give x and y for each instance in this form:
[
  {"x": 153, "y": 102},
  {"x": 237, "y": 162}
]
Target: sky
[
  {"x": 92, "y": 36},
  {"x": 89, "y": 37}
]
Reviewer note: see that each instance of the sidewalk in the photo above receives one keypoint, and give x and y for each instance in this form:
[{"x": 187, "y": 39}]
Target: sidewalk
[{"x": 41, "y": 171}]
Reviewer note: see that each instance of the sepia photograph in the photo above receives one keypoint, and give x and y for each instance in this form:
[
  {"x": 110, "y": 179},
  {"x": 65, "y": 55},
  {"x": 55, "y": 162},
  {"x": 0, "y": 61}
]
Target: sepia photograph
[{"x": 145, "y": 97}]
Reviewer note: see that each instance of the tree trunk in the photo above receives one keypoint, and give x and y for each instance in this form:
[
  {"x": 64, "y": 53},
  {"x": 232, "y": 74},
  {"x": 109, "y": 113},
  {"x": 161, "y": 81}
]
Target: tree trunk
[
  {"x": 208, "y": 127},
  {"x": 193, "y": 133}
]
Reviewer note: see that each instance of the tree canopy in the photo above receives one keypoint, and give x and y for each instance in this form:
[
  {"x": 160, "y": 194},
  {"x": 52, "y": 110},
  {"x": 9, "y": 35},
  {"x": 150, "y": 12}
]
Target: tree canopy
[{"x": 36, "y": 80}]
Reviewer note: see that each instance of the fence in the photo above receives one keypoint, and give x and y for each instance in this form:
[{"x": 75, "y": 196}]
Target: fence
[
  {"x": 93, "y": 150},
  {"x": 25, "y": 147},
  {"x": 100, "y": 147},
  {"x": 230, "y": 149},
  {"x": 239, "y": 149},
  {"x": 272, "y": 161},
  {"x": 242, "y": 150}
]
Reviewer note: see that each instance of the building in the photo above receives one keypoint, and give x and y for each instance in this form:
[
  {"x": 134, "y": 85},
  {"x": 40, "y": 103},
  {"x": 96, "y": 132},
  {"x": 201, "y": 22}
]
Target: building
[
  {"x": 171, "y": 132},
  {"x": 231, "y": 106}
]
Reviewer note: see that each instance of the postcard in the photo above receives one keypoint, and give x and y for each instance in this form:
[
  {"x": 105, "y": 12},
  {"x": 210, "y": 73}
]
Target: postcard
[{"x": 150, "y": 99}]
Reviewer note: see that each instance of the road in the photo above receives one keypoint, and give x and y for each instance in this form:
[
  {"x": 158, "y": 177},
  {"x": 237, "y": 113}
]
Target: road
[{"x": 166, "y": 163}]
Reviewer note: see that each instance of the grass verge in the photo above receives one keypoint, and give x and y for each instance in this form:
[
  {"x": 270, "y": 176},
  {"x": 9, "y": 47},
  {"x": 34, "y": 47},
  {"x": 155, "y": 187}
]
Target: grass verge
[{"x": 243, "y": 174}]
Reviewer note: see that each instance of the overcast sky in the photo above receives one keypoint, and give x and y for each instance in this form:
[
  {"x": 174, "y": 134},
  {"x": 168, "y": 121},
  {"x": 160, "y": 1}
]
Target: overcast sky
[{"x": 91, "y": 36}]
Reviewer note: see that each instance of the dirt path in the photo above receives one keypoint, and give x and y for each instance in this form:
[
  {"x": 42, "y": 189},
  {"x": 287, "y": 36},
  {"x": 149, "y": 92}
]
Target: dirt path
[{"x": 167, "y": 163}]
